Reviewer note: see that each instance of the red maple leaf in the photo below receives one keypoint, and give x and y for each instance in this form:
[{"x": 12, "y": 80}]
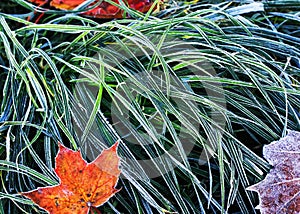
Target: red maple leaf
[
  {"x": 83, "y": 186},
  {"x": 103, "y": 10},
  {"x": 279, "y": 192}
]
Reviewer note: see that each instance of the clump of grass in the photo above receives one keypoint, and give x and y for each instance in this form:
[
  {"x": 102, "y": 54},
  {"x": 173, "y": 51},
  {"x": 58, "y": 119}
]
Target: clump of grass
[{"x": 216, "y": 80}]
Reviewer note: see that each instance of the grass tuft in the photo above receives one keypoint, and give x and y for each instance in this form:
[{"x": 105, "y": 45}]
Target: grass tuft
[{"x": 192, "y": 93}]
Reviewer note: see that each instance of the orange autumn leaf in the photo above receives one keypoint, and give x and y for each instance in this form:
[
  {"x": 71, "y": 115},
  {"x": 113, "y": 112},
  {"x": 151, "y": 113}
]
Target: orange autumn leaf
[
  {"x": 279, "y": 192},
  {"x": 39, "y": 2},
  {"x": 106, "y": 10},
  {"x": 103, "y": 10},
  {"x": 66, "y": 4},
  {"x": 83, "y": 186}
]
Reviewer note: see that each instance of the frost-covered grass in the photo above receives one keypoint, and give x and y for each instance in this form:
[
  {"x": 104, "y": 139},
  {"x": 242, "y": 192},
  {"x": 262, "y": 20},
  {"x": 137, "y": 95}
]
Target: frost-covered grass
[{"x": 200, "y": 85}]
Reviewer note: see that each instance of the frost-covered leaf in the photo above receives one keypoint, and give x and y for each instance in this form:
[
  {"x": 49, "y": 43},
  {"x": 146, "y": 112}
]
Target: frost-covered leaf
[{"x": 279, "y": 192}]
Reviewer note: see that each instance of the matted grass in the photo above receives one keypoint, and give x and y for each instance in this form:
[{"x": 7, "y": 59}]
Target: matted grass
[{"x": 228, "y": 83}]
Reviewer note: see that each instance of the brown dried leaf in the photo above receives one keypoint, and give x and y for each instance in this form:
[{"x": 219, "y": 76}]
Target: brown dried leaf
[{"x": 279, "y": 192}]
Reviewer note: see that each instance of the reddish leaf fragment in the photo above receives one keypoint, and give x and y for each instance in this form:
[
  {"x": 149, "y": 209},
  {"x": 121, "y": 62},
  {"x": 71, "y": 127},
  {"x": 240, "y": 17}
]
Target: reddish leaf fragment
[
  {"x": 66, "y": 4},
  {"x": 104, "y": 10},
  {"x": 39, "y": 2},
  {"x": 279, "y": 192},
  {"x": 83, "y": 186}
]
